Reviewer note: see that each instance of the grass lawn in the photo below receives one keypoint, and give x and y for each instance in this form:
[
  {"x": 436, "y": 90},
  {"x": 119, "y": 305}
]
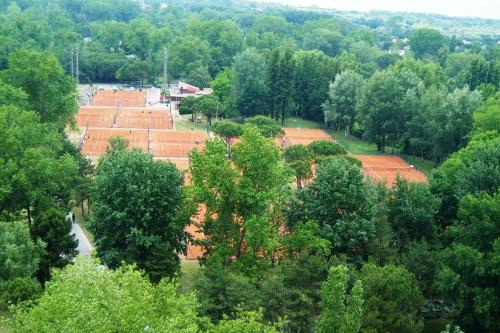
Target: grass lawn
[
  {"x": 4, "y": 314},
  {"x": 185, "y": 124},
  {"x": 189, "y": 272},
  {"x": 82, "y": 221},
  {"x": 297, "y": 122},
  {"x": 423, "y": 165}
]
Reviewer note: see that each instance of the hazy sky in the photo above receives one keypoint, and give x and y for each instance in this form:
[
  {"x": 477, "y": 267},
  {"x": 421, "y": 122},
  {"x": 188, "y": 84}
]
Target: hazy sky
[{"x": 479, "y": 8}]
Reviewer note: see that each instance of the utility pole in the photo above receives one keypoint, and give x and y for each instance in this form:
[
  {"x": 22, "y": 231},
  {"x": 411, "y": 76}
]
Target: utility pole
[
  {"x": 77, "y": 76},
  {"x": 165, "y": 69},
  {"x": 71, "y": 54}
]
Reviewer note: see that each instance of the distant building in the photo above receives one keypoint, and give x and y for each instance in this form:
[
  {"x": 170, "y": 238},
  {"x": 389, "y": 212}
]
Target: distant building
[{"x": 182, "y": 90}]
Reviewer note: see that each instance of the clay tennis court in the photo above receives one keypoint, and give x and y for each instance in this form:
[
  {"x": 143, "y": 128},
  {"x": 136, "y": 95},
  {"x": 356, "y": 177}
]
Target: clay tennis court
[
  {"x": 386, "y": 169},
  {"x": 175, "y": 143},
  {"x": 195, "y": 252},
  {"x": 95, "y": 117},
  {"x": 96, "y": 140},
  {"x": 123, "y": 98},
  {"x": 143, "y": 118},
  {"x": 304, "y": 136},
  {"x": 138, "y": 118}
]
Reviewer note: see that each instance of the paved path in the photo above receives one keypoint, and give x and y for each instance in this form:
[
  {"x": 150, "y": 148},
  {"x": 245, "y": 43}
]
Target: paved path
[{"x": 84, "y": 247}]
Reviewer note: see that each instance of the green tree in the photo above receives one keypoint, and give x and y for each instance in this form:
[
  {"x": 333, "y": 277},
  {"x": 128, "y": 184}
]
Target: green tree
[
  {"x": 429, "y": 72},
  {"x": 313, "y": 72},
  {"x": 224, "y": 86},
  {"x": 123, "y": 300},
  {"x": 227, "y": 130},
  {"x": 10, "y": 95},
  {"x": 51, "y": 93},
  {"x": 54, "y": 229},
  {"x": 187, "y": 106},
  {"x": 19, "y": 255},
  {"x": 243, "y": 198},
  {"x": 422, "y": 260},
  {"x": 250, "y": 67},
  {"x": 380, "y": 106},
  {"x": 426, "y": 42},
  {"x": 341, "y": 310},
  {"x": 35, "y": 171},
  {"x": 470, "y": 69},
  {"x": 330, "y": 42},
  {"x": 208, "y": 105},
  {"x": 126, "y": 229},
  {"x": 199, "y": 76},
  {"x": 411, "y": 212},
  {"x": 339, "y": 200},
  {"x": 468, "y": 273},
  {"x": 247, "y": 322},
  {"x": 299, "y": 158},
  {"x": 134, "y": 70},
  {"x": 223, "y": 293},
  {"x": 326, "y": 148},
  {"x": 392, "y": 300},
  {"x": 471, "y": 170},
  {"x": 280, "y": 72},
  {"x": 340, "y": 108},
  {"x": 266, "y": 126},
  {"x": 487, "y": 116},
  {"x": 19, "y": 259},
  {"x": 188, "y": 50}
]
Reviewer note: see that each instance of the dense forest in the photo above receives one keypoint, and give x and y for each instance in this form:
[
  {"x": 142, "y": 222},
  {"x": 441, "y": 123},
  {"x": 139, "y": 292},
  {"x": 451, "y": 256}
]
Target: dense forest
[{"x": 294, "y": 240}]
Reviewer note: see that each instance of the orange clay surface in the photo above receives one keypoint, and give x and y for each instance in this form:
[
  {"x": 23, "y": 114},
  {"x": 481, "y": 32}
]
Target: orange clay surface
[
  {"x": 294, "y": 136},
  {"x": 386, "y": 168},
  {"x": 97, "y": 139},
  {"x": 195, "y": 252},
  {"x": 162, "y": 144},
  {"x": 95, "y": 117},
  {"x": 144, "y": 118},
  {"x": 175, "y": 144},
  {"x": 123, "y": 98}
]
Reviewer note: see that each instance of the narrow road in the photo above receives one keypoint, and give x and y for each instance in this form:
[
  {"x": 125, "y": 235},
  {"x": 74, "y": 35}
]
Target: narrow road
[{"x": 84, "y": 247}]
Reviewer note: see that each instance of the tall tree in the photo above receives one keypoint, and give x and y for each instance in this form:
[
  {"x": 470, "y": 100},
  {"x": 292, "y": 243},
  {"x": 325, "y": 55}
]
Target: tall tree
[
  {"x": 35, "y": 172},
  {"x": 313, "y": 72},
  {"x": 108, "y": 295},
  {"x": 199, "y": 76},
  {"x": 51, "y": 93},
  {"x": 339, "y": 200},
  {"x": 412, "y": 208},
  {"x": 243, "y": 198},
  {"x": 487, "y": 117},
  {"x": 54, "y": 229},
  {"x": 224, "y": 86},
  {"x": 426, "y": 42},
  {"x": 280, "y": 77},
  {"x": 340, "y": 108},
  {"x": 208, "y": 105},
  {"x": 299, "y": 158},
  {"x": 471, "y": 170},
  {"x": 341, "y": 310},
  {"x": 19, "y": 254},
  {"x": 19, "y": 259},
  {"x": 380, "y": 106},
  {"x": 250, "y": 67},
  {"x": 267, "y": 126},
  {"x": 227, "y": 130},
  {"x": 126, "y": 229},
  {"x": 468, "y": 276},
  {"x": 392, "y": 300}
]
